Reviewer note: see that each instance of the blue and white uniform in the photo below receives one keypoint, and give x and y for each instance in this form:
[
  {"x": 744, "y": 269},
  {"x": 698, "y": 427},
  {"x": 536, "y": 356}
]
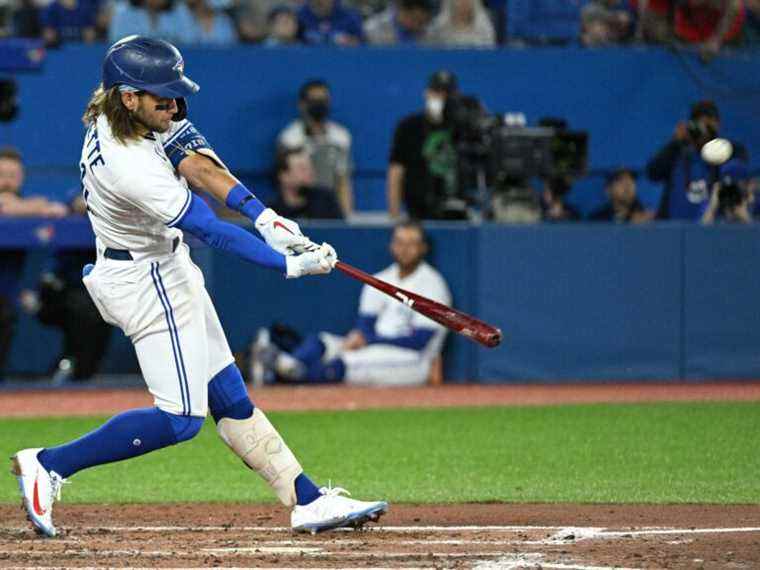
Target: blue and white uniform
[
  {"x": 401, "y": 343},
  {"x": 135, "y": 197}
]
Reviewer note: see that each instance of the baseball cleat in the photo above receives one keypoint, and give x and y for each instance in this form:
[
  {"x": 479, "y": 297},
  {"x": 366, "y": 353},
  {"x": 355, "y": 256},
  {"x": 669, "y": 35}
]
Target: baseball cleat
[
  {"x": 39, "y": 490},
  {"x": 332, "y": 510}
]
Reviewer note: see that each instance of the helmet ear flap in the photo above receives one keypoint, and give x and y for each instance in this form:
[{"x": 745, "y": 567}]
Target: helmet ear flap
[{"x": 181, "y": 109}]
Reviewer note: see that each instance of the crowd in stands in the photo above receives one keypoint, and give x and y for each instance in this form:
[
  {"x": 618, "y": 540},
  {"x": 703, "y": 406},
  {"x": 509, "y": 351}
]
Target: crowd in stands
[{"x": 706, "y": 24}]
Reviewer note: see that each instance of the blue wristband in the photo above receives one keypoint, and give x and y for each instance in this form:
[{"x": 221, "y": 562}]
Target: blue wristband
[{"x": 242, "y": 200}]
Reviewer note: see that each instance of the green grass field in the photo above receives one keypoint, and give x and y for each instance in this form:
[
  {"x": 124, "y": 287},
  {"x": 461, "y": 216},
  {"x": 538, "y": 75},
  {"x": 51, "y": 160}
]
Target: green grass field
[{"x": 663, "y": 453}]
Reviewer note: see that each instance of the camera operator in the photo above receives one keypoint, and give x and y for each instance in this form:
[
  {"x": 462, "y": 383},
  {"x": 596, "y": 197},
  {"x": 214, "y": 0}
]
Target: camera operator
[
  {"x": 423, "y": 161},
  {"x": 731, "y": 198},
  {"x": 687, "y": 178}
]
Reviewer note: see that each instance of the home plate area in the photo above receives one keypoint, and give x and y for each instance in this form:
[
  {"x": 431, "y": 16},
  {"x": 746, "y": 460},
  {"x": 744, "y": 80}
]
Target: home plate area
[{"x": 402, "y": 540}]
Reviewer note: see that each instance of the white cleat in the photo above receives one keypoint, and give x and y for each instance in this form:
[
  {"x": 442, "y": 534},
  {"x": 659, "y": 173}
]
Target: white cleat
[
  {"x": 39, "y": 490},
  {"x": 332, "y": 510}
]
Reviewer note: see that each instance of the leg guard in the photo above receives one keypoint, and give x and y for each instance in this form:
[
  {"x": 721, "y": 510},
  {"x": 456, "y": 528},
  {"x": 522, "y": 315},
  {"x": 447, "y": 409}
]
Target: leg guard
[{"x": 257, "y": 443}]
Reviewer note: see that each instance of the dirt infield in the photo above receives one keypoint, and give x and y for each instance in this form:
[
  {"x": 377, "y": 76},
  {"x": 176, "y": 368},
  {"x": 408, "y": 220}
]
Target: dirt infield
[
  {"x": 86, "y": 402},
  {"x": 482, "y": 536},
  {"x": 457, "y": 536}
]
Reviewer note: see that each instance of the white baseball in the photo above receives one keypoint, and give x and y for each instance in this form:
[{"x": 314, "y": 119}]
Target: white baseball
[{"x": 717, "y": 151}]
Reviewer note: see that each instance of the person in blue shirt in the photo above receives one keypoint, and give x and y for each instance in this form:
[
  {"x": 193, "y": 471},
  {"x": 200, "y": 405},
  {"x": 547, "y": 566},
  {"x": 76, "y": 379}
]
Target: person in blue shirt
[
  {"x": 69, "y": 21},
  {"x": 165, "y": 19},
  {"x": 211, "y": 27},
  {"x": 678, "y": 165},
  {"x": 329, "y": 22}
]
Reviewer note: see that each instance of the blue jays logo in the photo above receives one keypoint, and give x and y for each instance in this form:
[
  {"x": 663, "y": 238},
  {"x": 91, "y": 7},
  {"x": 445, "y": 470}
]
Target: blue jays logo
[{"x": 179, "y": 67}]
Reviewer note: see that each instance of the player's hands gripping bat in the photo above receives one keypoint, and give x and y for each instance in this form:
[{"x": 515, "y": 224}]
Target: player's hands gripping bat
[
  {"x": 283, "y": 235},
  {"x": 453, "y": 319},
  {"x": 316, "y": 262}
]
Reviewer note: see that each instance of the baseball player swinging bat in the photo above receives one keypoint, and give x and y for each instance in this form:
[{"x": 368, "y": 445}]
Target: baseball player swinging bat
[{"x": 453, "y": 319}]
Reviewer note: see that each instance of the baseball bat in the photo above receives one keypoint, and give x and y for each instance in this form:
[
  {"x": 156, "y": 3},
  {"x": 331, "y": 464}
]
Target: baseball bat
[{"x": 453, "y": 319}]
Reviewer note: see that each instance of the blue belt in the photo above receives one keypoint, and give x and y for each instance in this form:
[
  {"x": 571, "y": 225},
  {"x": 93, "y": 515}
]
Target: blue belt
[{"x": 124, "y": 255}]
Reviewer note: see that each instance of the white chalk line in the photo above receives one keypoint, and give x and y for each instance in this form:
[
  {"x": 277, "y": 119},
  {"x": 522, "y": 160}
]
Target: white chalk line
[
  {"x": 520, "y": 561},
  {"x": 378, "y": 528},
  {"x": 560, "y": 532}
]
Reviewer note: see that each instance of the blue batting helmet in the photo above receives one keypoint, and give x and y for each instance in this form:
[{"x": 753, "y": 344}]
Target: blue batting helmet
[{"x": 149, "y": 65}]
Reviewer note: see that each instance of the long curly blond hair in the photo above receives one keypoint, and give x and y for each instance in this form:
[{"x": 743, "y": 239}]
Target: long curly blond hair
[{"x": 108, "y": 103}]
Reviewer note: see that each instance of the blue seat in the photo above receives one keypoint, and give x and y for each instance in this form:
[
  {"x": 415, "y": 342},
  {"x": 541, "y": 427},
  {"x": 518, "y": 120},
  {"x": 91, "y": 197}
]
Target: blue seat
[{"x": 544, "y": 21}]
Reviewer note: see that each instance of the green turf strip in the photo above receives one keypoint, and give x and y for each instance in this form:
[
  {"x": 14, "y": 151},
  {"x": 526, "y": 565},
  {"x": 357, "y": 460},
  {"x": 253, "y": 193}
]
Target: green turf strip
[{"x": 695, "y": 453}]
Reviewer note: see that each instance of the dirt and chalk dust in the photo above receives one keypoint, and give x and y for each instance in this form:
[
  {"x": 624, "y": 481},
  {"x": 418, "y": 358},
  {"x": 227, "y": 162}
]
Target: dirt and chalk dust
[
  {"x": 419, "y": 536},
  {"x": 484, "y": 536}
]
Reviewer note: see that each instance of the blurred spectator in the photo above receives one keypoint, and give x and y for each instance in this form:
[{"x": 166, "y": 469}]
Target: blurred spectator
[
  {"x": 553, "y": 201},
  {"x": 63, "y": 302},
  {"x": 752, "y": 25},
  {"x": 462, "y": 23},
  {"x": 327, "y": 142},
  {"x": 653, "y": 20},
  {"x": 731, "y": 198},
  {"x": 282, "y": 27},
  {"x": 708, "y": 23},
  {"x": 69, "y": 21},
  {"x": 11, "y": 181},
  {"x": 329, "y": 22},
  {"x": 391, "y": 345},
  {"x": 405, "y": 22},
  {"x": 165, "y": 19},
  {"x": 605, "y": 22},
  {"x": 12, "y": 261},
  {"x": 298, "y": 196},
  {"x": 678, "y": 165},
  {"x": 623, "y": 204},
  {"x": 26, "y": 20},
  {"x": 423, "y": 161},
  {"x": 253, "y": 17},
  {"x": 212, "y": 27},
  {"x": 367, "y": 8}
]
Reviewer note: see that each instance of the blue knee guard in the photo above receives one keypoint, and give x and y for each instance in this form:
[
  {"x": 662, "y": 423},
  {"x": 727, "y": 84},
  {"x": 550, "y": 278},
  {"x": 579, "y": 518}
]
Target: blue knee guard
[{"x": 227, "y": 395}]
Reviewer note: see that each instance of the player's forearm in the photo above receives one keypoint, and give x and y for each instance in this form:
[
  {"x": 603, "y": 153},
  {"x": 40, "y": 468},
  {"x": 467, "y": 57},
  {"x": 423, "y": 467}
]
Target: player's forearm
[
  {"x": 201, "y": 222},
  {"x": 203, "y": 173},
  {"x": 395, "y": 179},
  {"x": 345, "y": 195}
]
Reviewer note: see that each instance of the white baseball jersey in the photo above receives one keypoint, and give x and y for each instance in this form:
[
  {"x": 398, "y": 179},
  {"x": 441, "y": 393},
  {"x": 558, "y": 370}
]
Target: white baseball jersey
[
  {"x": 386, "y": 364},
  {"x": 133, "y": 194},
  {"x": 395, "y": 319},
  {"x": 158, "y": 298}
]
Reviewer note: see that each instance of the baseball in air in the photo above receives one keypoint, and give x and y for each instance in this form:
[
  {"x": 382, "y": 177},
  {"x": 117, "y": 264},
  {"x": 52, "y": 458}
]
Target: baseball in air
[{"x": 717, "y": 151}]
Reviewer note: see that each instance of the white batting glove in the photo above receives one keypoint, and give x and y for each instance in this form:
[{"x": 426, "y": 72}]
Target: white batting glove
[
  {"x": 317, "y": 262},
  {"x": 282, "y": 235}
]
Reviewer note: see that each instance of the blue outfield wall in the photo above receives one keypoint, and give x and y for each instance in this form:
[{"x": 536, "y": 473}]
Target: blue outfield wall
[
  {"x": 583, "y": 302},
  {"x": 628, "y": 98}
]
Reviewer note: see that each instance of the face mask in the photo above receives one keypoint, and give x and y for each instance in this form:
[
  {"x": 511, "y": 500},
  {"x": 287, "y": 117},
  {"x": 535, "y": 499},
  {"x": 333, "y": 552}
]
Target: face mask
[
  {"x": 434, "y": 108},
  {"x": 318, "y": 110}
]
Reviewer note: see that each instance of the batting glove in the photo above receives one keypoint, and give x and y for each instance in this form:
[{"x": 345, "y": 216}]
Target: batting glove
[
  {"x": 283, "y": 235},
  {"x": 317, "y": 262}
]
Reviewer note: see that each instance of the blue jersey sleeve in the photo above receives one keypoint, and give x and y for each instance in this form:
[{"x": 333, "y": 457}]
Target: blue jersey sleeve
[{"x": 200, "y": 221}]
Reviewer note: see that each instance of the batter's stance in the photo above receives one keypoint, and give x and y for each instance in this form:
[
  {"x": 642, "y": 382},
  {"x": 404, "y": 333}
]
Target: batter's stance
[{"x": 138, "y": 152}]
